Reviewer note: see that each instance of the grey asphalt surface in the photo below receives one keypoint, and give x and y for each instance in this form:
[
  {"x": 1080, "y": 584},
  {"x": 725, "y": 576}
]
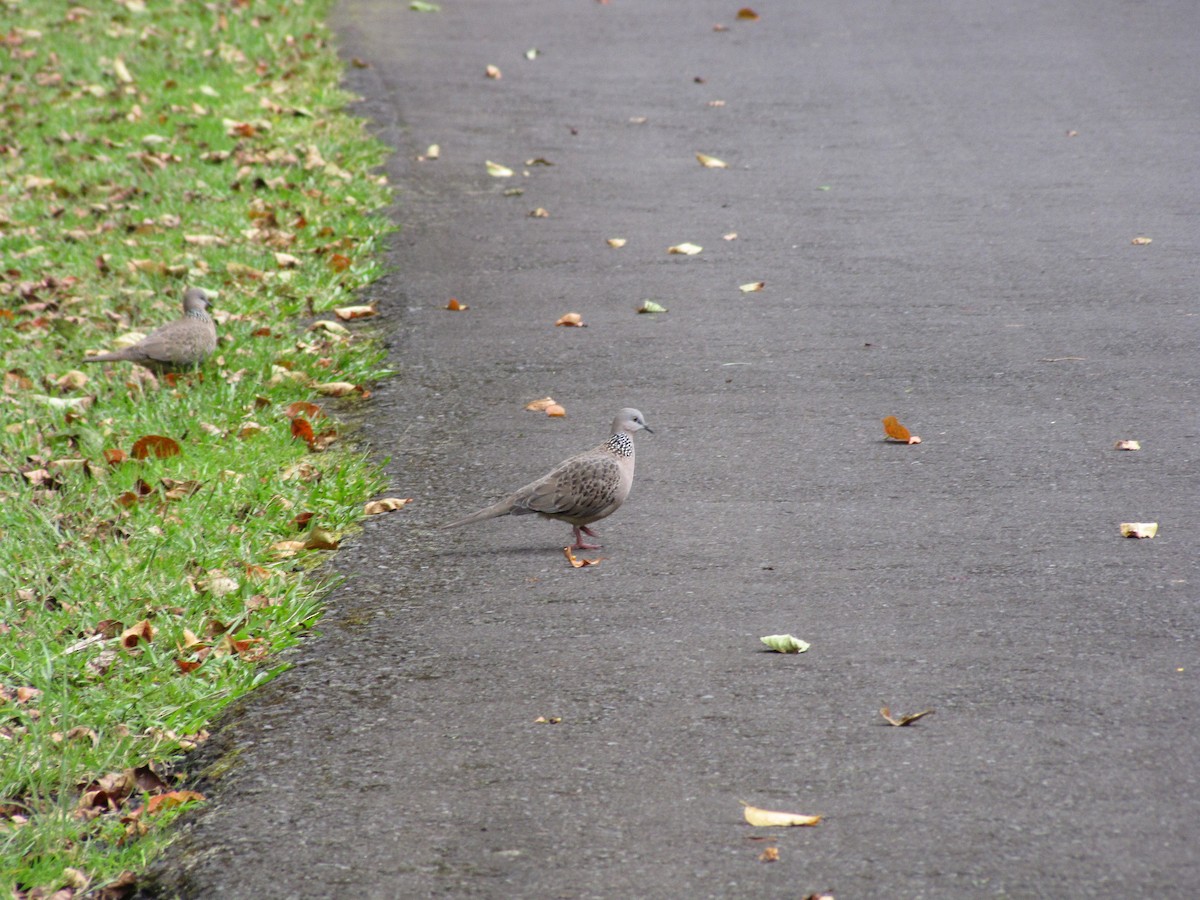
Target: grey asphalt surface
[{"x": 941, "y": 199}]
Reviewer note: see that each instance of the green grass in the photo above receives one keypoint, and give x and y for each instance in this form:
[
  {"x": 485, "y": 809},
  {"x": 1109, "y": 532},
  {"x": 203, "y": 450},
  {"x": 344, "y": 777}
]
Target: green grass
[{"x": 145, "y": 147}]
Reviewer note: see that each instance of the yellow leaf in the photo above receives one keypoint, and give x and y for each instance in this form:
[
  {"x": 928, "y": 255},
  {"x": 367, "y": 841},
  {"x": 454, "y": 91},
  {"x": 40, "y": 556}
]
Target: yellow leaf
[
  {"x": 498, "y": 171},
  {"x": 616, "y": 243},
  {"x": 122, "y": 71},
  {"x": 687, "y": 249},
  {"x": 540, "y": 405},
  {"x": 765, "y": 818},
  {"x": 711, "y": 162},
  {"x": 1139, "y": 529}
]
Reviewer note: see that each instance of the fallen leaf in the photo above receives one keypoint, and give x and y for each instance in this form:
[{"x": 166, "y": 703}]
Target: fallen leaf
[
  {"x": 897, "y": 432},
  {"x": 752, "y": 286},
  {"x": 903, "y": 720},
  {"x": 493, "y": 72},
  {"x": 433, "y": 151},
  {"x": 548, "y": 720},
  {"x": 142, "y": 631},
  {"x": 335, "y": 388},
  {"x": 339, "y": 262},
  {"x": 346, "y": 313},
  {"x": 498, "y": 171},
  {"x": 765, "y": 818},
  {"x": 303, "y": 408},
  {"x": 617, "y": 243},
  {"x": 572, "y": 319},
  {"x": 555, "y": 411},
  {"x": 540, "y": 405},
  {"x": 321, "y": 539},
  {"x": 1139, "y": 529},
  {"x": 1140, "y": 241},
  {"x": 747, "y": 14},
  {"x": 286, "y": 260},
  {"x": 532, "y": 53},
  {"x": 711, "y": 162},
  {"x": 302, "y": 430},
  {"x": 330, "y": 326},
  {"x": 770, "y": 854},
  {"x": 172, "y": 799},
  {"x": 114, "y": 456},
  {"x": 455, "y": 306},
  {"x": 649, "y": 306},
  {"x": 731, "y": 236},
  {"x": 577, "y": 563},
  {"x": 1127, "y": 445},
  {"x": 387, "y": 504},
  {"x": 785, "y": 643},
  {"x": 424, "y": 6},
  {"x": 539, "y": 213},
  {"x": 155, "y": 445},
  {"x": 686, "y": 249}
]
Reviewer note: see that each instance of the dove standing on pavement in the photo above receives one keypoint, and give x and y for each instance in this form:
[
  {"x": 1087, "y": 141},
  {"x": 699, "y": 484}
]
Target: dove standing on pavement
[
  {"x": 580, "y": 490},
  {"x": 180, "y": 344}
]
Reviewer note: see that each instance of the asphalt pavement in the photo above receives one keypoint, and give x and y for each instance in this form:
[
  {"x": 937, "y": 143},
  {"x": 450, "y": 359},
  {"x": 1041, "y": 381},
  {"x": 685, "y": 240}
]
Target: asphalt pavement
[{"x": 941, "y": 200}]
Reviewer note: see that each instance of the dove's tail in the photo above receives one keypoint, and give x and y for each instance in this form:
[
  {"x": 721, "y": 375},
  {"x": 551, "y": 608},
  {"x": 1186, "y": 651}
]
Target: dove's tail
[{"x": 503, "y": 508}]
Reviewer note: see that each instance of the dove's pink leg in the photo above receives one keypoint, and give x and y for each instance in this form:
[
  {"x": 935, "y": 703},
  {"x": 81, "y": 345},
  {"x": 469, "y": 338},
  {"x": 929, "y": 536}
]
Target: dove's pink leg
[{"x": 579, "y": 544}]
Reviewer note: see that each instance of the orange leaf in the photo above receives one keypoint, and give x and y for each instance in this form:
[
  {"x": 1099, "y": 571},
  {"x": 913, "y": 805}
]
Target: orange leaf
[
  {"x": 897, "y": 432},
  {"x": 302, "y": 429},
  {"x": 540, "y": 405},
  {"x": 748, "y": 14},
  {"x": 577, "y": 563},
  {"x": 187, "y": 665},
  {"x": 142, "y": 631},
  {"x": 572, "y": 319},
  {"x": 455, "y": 306},
  {"x": 155, "y": 445},
  {"x": 339, "y": 263},
  {"x": 171, "y": 799},
  {"x": 555, "y": 410},
  {"x": 114, "y": 455}
]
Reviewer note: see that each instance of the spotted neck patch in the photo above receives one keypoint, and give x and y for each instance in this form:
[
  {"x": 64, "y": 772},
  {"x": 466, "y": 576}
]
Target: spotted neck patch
[{"x": 620, "y": 444}]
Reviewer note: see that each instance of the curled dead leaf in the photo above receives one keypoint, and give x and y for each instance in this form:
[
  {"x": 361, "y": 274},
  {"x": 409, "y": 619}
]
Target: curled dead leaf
[
  {"x": 1141, "y": 241},
  {"x": 455, "y": 306},
  {"x": 897, "y": 432},
  {"x": 578, "y": 563},
  {"x": 1127, "y": 445},
  {"x": 321, "y": 539},
  {"x": 900, "y": 721},
  {"x": 493, "y": 72},
  {"x": 711, "y": 162},
  {"x": 336, "y": 388},
  {"x": 746, "y": 14},
  {"x": 752, "y": 287},
  {"x": 387, "y": 504},
  {"x": 649, "y": 306},
  {"x": 172, "y": 799},
  {"x": 540, "y": 405},
  {"x": 766, "y": 818},
  {"x": 617, "y": 243},
  {"x": 770, "y": 854},
  {"x": 539, "y": 213},
  {"x": 785, "y": 643},
  {"x": 1139, "y": 529},
  {"x": 498, "y": 171},
  {"x": 572, "y": 320},
  {"x": 303, "y": 408},
  {"x": 685, "y": 249},
  {"x": 556, "y": 411},
  {"x": 142, "y": 631}
]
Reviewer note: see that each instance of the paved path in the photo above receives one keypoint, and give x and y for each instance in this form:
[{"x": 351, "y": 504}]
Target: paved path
[{"x": 941, "y": 199}]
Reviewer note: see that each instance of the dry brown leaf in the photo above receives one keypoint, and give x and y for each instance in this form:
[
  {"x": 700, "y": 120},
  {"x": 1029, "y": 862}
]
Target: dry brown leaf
[
  {"x": 897, "y": 432},
  {"x": 303, "y": 408},
  {"x": 578, "y": 563},
  {"x": 540, "y": 405},
  {"x": 572, "y": 320},
  {"x": 711, "y": 162},
  {"x": 155, "y": 445},
  {"x": 556, "y": 411},
  {"x": 321, "y": 539},
  {"x": 765, "y": 818},
  {"x": 302, "y": 430},
  {"x": 339, "y": 262},
  {"x": 747, "y": 14},
  {"x": 899, "y": 721},
  {"x": 455, "y": 306},
  {"x": 286, "y": 260},
  {"x": 142, "y": 631},
  {"x": 770, "y": 854},
  {"x": 172, "y": 799},
  {"x": 387, "y": 504},
  {"x": 336, "y": 388}
]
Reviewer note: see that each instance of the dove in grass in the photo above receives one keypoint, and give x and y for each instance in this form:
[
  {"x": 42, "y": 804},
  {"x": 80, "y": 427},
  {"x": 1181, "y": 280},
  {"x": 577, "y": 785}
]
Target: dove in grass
[
  {"x": 580, "y": 490},
  {"x": 181, "y": 344}
]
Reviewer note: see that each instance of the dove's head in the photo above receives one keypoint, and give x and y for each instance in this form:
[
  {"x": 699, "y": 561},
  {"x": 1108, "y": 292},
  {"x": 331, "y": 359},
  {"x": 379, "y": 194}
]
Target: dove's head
[
  {"x": 197, "y": 300},
  {"x": 629, "y": 421}
]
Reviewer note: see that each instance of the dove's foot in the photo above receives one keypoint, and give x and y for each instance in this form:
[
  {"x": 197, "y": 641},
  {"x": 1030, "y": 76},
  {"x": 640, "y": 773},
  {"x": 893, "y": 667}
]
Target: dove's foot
[{"x": 579, "y": 544}]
